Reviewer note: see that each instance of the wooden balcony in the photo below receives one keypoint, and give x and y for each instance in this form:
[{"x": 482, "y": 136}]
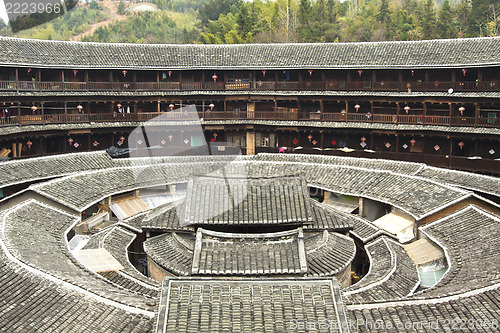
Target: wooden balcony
[
  {"x": 486, "y": 86},
  {"x": 255, "y": 115}
]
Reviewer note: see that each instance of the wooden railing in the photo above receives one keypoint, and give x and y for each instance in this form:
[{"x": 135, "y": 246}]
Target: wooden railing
[
  {"x": 254, "y": 115},
  {"x": 252, "y": 85}
]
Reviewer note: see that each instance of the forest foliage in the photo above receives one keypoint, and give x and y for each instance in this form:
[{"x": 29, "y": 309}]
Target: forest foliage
[{"x": 283, "y": 21}]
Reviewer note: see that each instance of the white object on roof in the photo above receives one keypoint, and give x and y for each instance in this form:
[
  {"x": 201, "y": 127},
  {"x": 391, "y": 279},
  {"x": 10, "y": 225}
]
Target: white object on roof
[
  {"x": 397, "y": 225},
  {"x": 127, "y": 208},
  {"x": 97, "y": 260},
  {"x": 78, "y": 242}
]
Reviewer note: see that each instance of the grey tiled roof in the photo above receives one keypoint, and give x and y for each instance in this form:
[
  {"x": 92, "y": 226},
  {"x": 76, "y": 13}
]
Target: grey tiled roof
[
  {"x": 33, "y": 303},
  {"x": 172, "y": 251},
  {"x": 471, "y": 240},
  {"x": 365, "y": 230},
  {"x": 413, "y": 54},
  {"x": 116, "y": 243},
  {"x": 166, "y": 217},
  {"x": 248, "y": 305},
  {"x": 328, "y": 253},
  {"x": 218, "y": 253},
  {"x": 27, "y": 170},
  {"x": 327, "y": 218},
  {"x": 390, "y": 278},
  {"x": 35, "y": 235},
  {"x": 270, "y": 199}
]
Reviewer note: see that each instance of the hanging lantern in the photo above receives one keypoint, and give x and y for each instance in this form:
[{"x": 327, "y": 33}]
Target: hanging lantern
[
  {"x": 363, "y": 139},
  {"x": 360, "y": 72},
  {"x": 314, "y": 142},
  {"x": 119, "y": 106},
  {"x": 310, "y": 137},
  {"x": 407, "y": 108},
  {"x": 461, "y": 109},
  {"x": 461, "y": 145},
  {"x": 211, "y": 105},
  {"x": 28, "y": 70},
  {"x": 413, "y": 141},
  {"x": 310, "y": 72},
  {"x": 122, "y": 138},
  {"x": 412, "y": 72},
  {"x": 215, "y": 135},
  {"x": 333, "y": 142},
  {"x": 29, "y": 143},
  {"x": 75, "y": 72},
  {"x": 357, "y": 107},
  {"x": 171, "y": 106},
  {"x": 79, "y": 107},
  {"x": 124, "y": 73},
  {"x": 170, "y": 137},
  {"x": 464, "y": 71},
  {"x": 213, "y": 139},
  {"x": 214, "y": 77},
  {"x": 34, "y": 108},
  {"x": 264, "y": 72},
  {"x": 70, "y": 141},
  {"x": 95, "y": 143},
  {"x": 169, "y": 73}
]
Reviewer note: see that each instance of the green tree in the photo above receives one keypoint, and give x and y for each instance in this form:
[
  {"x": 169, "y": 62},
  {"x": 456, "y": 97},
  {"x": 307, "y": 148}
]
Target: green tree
[
  {"x": 428, "y": 20},
  {"x": 122, "y": 9},
  {"x": 446, "y": 26},
  {"x": 384, "y": 11}
]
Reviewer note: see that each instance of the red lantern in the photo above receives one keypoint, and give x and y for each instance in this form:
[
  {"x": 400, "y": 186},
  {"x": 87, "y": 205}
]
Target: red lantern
[
  {"x": 215, "y": 135},
  {"x": 34, "y": 108},
  {"x": 310, "y": 137},
  {"x": 264, "y": 72},
  {"x": 95, "y": 143},
  {"x": 211, "y": 105},
  {"x": 413, "y": 141},
  {"x": 171, "y": 106},
  {"x": 79, "y": 107},
  {"x": 363, "y": 139},
  {"x": 124, "y": 73},
  {"x": 412, "y": 72},
  {"x": 214, "y": 77},
  {"x": 407, "y": 108},
  {"x": 310, "y": 72},
  {"x": 464, "y": 71},
  {"x": 122, "y": 138},
  {"x": 461, "y": 109},
  {"x": 70, "y": 141},
  {"x": 119, "y": 106},
  {"x": 169, "y": 73},
  {"x": 360, "y": 72},
  {"x": 75, "y": 72},
  {"x": 29, "y": 143},
  {"x": 357, "y": 107},
  {"x": 334, "y": 142},
  {"x": 461, "y": 145}
]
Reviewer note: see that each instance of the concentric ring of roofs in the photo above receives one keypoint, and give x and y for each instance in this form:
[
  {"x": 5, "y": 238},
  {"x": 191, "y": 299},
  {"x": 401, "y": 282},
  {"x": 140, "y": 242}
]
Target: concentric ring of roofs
[{"x": 291, "y": 274}]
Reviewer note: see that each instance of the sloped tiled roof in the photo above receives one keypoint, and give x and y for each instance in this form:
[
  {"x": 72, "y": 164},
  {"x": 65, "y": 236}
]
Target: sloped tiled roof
[
  {"x": 247, "y": 200},
  {"x": 412, "y": 54},
  {"x": 218, "y": 253},
  {"x": 172, "y": 251},
  {"x": 249, "y": 305}
]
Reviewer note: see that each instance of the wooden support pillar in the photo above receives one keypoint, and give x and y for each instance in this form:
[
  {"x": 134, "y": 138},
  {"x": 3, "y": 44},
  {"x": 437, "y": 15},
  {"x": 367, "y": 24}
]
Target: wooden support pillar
[
  {"x": 453, "y": 77},
  {"x": 361, "y": 207},
  {"x": 477, "y": 112},
  {"x": 346, "y": 110},
  {"x": 321, "y": 106},
  {"x": 450, "y": 113},
  {"x": 250, "y": 142},
  {"x": 65, "y": 108},
  {"x": 17, "y": 80},
  {"x": 424, "y": 106}
]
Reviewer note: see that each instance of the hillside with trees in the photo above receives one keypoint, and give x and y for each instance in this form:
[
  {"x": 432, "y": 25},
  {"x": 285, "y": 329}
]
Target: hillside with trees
[{"x": 277, "y": 21}]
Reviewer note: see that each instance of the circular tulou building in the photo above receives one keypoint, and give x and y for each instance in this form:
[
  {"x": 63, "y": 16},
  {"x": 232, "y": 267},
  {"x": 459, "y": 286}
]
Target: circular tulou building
[{"x": 346, "y": 187}]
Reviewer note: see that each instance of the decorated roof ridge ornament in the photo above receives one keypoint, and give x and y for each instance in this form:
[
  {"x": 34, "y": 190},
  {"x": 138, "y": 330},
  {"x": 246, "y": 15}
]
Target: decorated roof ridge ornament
[
  {"x": 413, "y": 141},
  {"x": 461, "y": 144}
]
